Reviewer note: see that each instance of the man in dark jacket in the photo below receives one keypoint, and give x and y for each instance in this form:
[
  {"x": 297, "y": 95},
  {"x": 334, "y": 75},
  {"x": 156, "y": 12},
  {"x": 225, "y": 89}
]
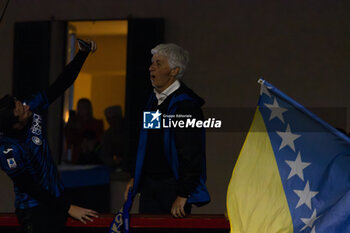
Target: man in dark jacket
[
  {"x": 41, "y": 203},
  {"x": 170, "y": 169}
]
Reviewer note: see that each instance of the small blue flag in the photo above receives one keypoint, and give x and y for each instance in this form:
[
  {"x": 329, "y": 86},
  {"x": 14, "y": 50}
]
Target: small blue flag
[{"x": 121, "y": 221}]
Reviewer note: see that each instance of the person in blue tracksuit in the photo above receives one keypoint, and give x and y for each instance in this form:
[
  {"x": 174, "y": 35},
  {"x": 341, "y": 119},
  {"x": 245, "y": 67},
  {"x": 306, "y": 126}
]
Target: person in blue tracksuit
[
  {"x": 41, "y": 203},
  {"x": 170, "y": 170}
]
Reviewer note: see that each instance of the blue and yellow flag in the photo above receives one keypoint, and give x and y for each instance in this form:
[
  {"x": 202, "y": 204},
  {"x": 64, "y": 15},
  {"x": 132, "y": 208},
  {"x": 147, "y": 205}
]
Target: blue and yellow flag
[{"x": 292, "y": 174}]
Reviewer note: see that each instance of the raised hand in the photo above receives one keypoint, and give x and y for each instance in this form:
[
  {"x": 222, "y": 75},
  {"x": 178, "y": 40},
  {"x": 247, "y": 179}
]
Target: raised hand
[{"x": 87, "y": 45}]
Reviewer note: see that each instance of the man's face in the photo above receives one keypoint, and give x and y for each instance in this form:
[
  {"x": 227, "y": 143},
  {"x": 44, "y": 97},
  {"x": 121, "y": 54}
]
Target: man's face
[
  {"x": 23, "y": 113},
  {"x": 160, "y": 73}
]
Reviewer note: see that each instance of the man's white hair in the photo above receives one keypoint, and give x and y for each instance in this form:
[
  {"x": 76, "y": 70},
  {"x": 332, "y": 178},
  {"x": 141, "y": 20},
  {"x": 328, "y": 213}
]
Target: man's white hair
[{"x": 177, "y": 56}]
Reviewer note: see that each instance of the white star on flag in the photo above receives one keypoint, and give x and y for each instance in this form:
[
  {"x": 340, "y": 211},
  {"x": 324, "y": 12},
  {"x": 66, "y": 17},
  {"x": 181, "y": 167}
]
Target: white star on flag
[
  {"x": 263, "y": 90},
  {"x": 305, "y": 196},
  {"x": 297, "y": 167},
  {"x": 288, "y": 138},
  {"x": 309, "y": 222},
  {"x": 156, "y": 115},
  {"x": 276, "y": 111}
]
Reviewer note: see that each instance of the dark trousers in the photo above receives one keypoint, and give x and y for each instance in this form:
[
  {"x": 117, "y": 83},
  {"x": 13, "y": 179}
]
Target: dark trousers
[
  {"x": 41, "y": 219},
  {"x": 158, "y": 195}
]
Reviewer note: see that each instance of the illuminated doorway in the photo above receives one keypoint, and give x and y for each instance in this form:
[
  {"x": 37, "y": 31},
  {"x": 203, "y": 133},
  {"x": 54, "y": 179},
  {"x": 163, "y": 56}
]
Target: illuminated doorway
[
  {"x": 103, "y": 76},
  {"x": 102, "y": 79}
]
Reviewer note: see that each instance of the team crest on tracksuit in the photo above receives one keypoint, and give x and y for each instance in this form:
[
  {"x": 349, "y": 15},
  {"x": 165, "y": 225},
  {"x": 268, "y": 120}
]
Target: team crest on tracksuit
[{"x": 12, "y": 163}]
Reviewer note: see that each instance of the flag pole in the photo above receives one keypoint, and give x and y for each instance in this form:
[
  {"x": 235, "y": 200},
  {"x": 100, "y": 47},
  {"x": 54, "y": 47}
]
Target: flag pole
[{"x": 3, "y": 12}]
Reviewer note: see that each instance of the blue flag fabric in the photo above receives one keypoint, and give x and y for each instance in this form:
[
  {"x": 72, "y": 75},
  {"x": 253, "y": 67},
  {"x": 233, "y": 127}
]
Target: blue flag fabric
[
  {"x": 117, "y": 223},
  {"x": 313, "y": 159},
  {"x": 121, "y": 221}
]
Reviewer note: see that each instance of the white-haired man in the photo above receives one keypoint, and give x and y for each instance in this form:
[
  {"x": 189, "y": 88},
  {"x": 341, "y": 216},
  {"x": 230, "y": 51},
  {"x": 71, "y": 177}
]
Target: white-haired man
[{"x": 170, "y": 166}]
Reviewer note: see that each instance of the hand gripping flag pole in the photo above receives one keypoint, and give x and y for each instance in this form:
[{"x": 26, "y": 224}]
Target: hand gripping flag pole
[{"x": 3, "y": 12}]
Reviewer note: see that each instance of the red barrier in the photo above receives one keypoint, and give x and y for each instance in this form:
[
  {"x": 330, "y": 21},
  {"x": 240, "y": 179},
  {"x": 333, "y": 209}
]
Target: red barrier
[{"x": 193, "y": 221}]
